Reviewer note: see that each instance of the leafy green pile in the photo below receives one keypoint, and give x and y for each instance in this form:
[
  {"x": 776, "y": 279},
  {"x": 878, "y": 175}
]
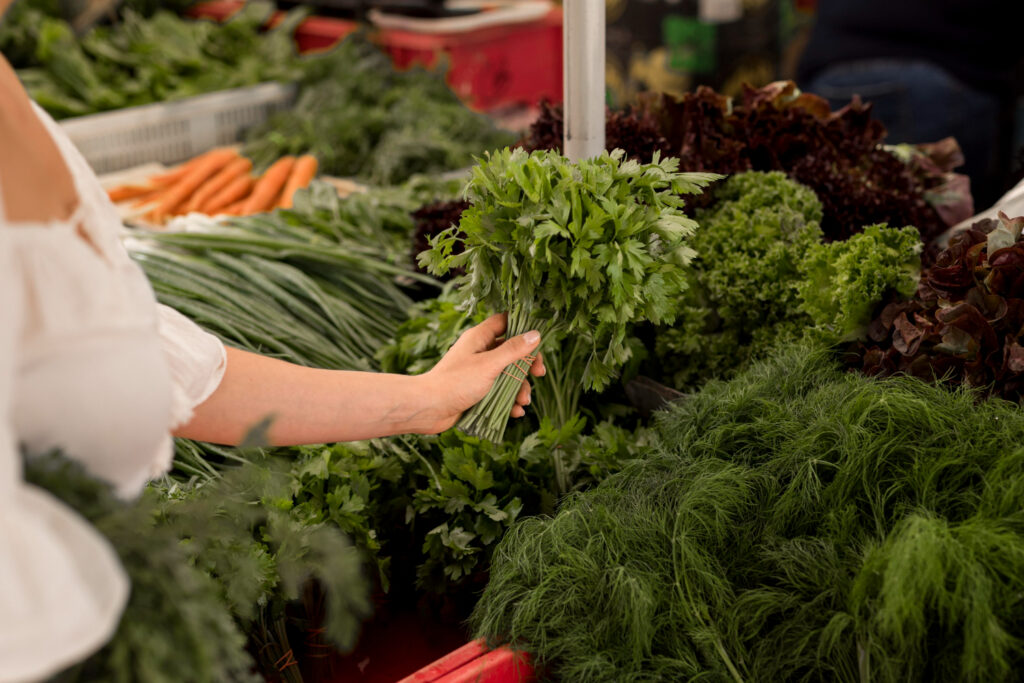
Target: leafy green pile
[
  {"x": 838, "y": 154},
  {"x": 763, "y": 276},
  {"x": 796, "y": 523},
  {"x": 964, "y": 323},
  {"x": 360, "y": 117},
  {"x": 314, "y": 284},
  {"x": 433, "y": 326},
  {"x": 843, "y": 283},
  {"x": 579, "y": 251},
  {"x": 207, "y": 563},
  {"x": 429, "y": 510},
  {"x": 18, "y": 38},
  {"x": 141, "y": 60}
]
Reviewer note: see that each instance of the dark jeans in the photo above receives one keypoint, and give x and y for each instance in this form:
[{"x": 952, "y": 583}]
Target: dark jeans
[{"x": 921, "y": 102}]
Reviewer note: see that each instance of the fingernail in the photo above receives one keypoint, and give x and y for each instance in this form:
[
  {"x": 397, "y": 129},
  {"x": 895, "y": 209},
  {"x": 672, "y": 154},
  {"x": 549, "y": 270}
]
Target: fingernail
[{"x": 532, "y": 337}]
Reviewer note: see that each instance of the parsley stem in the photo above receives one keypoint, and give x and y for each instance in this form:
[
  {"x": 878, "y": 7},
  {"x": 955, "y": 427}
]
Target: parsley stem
[{"x": 488, "y": 418}]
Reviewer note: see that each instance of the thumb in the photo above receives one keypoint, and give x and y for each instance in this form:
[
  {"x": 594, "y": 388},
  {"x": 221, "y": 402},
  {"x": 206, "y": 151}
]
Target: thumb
[{"x": 513, "y": 350}]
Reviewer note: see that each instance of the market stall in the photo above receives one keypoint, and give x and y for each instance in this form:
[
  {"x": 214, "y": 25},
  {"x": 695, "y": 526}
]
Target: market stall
[{"x": 778, "y": 431}]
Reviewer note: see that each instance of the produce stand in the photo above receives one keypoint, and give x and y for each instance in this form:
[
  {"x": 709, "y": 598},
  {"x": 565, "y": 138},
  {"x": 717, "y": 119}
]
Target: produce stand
[{"x": 580, "y": 540}]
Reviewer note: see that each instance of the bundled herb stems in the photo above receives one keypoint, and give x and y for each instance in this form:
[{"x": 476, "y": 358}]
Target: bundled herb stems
[
  {"x": 582, "y": 249},
  {"x": 488, "y": 417}
]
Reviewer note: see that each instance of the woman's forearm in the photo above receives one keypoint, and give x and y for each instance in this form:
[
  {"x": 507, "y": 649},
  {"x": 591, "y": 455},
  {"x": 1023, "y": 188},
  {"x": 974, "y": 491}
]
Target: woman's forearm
[
  {"x": 306, "y": 405},
  {"x": 303, "y": 405}
]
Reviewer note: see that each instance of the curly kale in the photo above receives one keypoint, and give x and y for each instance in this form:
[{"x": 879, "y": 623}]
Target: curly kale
[
  {"x": 843, "y": 282},
  {"x": 742, "y": 295},
  {"x": 764, "y": 275}
]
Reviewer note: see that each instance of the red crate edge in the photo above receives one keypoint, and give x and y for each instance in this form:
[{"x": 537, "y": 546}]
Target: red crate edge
[
  {"x": 474, "y": 663},
  {"x": 314, "y": 33}
]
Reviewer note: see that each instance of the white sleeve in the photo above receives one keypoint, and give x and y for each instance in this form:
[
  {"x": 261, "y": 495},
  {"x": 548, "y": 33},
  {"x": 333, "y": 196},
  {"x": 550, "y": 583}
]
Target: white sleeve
[
  {"x": 62, "y": 589},
  {"x": 196, "y": 360}
]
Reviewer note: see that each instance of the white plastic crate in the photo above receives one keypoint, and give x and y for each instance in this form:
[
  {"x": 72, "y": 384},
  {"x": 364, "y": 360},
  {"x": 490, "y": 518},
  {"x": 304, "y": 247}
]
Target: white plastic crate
[{"x": 170, "y": 132}]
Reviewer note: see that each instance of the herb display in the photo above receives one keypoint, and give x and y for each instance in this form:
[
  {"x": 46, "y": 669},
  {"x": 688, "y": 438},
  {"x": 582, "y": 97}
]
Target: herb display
[
  {"x": 763, "y": 276},
  {"x": 313, "y": 285},
  {"x": 796, "y": 523},
  {"x": 205, "y": 562},
  {"x": 426, "y": 511},
  {"x": 429, "y": 510},
  {"x": 433, "y": 326},
  {"x": 963, "y": 325},
  {"x": 360, "y": 117},
  {"x": 141, "y": 60},
  {"x": 578, "y": 251},
  {"x": 837, "y": 154}
]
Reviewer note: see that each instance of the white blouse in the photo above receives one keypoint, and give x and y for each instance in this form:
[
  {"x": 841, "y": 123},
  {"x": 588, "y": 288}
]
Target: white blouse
[{"x": 92, "y": 365}]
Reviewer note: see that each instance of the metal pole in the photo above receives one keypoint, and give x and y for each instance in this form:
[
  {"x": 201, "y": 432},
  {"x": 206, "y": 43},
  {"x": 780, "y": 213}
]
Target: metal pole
[{"x": 583, "y": 86}]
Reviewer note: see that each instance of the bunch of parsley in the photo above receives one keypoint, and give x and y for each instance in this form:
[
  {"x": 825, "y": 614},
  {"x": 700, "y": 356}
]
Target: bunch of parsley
[{"x": 582, "y": 250}]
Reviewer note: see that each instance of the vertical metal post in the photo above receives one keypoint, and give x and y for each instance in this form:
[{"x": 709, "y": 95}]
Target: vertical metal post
[{"x": 583, "y": 86}]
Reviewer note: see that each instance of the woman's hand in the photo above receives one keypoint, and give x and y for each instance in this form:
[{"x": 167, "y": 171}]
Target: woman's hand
[
  {"x": 308, "y": 405},
  {"x": 466, "y": 373}
]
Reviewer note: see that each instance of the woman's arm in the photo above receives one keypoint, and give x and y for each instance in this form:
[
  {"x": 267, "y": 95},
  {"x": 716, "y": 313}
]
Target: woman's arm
[{"x": 322, "y": 406}]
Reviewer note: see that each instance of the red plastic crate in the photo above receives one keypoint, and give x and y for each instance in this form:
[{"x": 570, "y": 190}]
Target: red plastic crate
[
  {"x": 315, "y": 33},
  {"x": 493, "y": 67},
  {"x": 474, "y": 663},
  {"x": 489, "y": 68}
]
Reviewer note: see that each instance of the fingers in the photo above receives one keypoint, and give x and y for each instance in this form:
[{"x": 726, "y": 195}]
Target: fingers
[
  {"x": 522, "y": 398},
  {"x": 481, "y": 337},
  {"x": 538, "y": 369},
  {"x": 513, "y": 350}
]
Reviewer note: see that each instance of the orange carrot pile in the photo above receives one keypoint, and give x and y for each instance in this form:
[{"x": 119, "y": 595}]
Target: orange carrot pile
[{"x": 218, "y": 182}]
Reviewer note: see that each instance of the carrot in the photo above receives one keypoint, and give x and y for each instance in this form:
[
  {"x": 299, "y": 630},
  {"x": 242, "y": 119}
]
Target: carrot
[
  {"x": 234, "y": 209},
  {"x": 178, "y": 172},
  {"x": 268, "y": 187},
  {"x": 188, "y": 184},
  {"x": 302, "y": 174},
  {"x": 174, "y": 175},
  {"x": 235, "y": 168},
  {"x": 123, "y": 193},
  {"x": 149, "y": 197},
  {"x": 237, "y": 189}
]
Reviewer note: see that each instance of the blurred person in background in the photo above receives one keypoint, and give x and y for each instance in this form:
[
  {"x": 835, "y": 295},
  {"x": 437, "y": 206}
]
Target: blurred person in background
[{"x": 931, "y": 69}]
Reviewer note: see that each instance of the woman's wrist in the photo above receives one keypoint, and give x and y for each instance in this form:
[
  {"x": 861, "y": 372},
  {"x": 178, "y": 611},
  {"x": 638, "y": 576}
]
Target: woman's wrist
[{"x": 415, "y": 410}]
